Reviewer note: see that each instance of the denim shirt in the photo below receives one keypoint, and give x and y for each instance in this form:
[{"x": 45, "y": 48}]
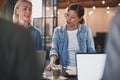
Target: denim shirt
[
  {"x": 36, "y": 37},
  {"x": 60, "y": 42}
]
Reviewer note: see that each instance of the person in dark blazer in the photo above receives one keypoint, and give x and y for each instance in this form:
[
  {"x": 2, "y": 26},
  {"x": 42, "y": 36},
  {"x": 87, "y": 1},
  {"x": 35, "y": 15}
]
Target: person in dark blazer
[
  {"x": 17, "y": 52},
  {"x": 112, "y": 66}
]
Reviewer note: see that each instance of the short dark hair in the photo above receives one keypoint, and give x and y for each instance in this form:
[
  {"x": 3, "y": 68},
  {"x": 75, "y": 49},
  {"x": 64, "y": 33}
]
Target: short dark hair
[{"x": 78, "y": 8}]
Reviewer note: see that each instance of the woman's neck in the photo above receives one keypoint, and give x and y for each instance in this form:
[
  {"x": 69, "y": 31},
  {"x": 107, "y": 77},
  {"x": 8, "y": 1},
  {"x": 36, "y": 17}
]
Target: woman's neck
[
  {"x": 70, "y": 28},
  {"x": 25, "y": 24}
]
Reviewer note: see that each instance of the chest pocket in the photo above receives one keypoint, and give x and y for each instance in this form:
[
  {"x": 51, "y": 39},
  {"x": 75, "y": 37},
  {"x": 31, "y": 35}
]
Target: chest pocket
[
  {"x": 62, "y": 37},
  {"x": 83, "y": 36},
  {"x": 62, "y": 41}
]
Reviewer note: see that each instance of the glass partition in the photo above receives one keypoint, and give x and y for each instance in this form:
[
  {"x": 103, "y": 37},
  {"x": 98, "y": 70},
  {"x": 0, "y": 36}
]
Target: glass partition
[{"x": 47, "y": 22}]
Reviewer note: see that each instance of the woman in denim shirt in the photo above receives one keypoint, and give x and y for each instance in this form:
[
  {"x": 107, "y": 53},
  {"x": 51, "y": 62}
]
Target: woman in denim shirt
[
  {"x": 22, "y": 16},
  {"x": 71, "y": 38}
]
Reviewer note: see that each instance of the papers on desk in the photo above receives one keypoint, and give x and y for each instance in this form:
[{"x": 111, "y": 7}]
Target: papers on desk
[
  {"x": 48, "y": 75},
  {"x": 60, "y": 78},
  {"x": 71, "y": 70}
]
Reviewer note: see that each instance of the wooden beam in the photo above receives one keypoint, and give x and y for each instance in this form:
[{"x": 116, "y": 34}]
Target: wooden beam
[{"x": 89, "y": 3}]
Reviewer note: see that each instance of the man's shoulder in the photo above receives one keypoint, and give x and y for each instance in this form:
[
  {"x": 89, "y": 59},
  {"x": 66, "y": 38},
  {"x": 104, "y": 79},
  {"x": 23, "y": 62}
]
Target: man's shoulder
[
  {"x": 13, "y": 33},
  {"x": 5, "y": 23},
  {"x": 7, "y": 27},
  {"x": 9, "y": 24}
]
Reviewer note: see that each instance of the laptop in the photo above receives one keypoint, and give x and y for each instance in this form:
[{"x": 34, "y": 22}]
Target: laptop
[{"x": 90, "y": 66}]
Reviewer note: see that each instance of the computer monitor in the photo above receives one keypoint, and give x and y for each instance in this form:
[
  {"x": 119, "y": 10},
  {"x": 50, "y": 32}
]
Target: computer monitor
[{"x": 90, "y": 66}]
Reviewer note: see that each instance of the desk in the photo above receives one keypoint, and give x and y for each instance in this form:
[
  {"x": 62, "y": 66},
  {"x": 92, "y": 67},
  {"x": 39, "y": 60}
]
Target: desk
[
  {"x": 71, "y": 77},
  {"x": 48, "y": 76}
]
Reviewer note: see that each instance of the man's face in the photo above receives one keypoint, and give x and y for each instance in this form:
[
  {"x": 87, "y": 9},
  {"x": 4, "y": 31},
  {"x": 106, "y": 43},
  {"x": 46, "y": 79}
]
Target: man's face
[{"x": 2, "y": 3}]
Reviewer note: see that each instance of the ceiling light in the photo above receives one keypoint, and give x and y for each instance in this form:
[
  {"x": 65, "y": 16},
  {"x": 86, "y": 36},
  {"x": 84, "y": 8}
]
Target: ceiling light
[
  {"x": 94, "y": 7},
  {"x": 58, "y": 12},
  {"x": 108, "y": 12},
  {"x": 103, "y": 2},
  {"x": 90, "y": 13},
  {"x": 118, "y": 4},
  {"x": 108, "y": 7}
]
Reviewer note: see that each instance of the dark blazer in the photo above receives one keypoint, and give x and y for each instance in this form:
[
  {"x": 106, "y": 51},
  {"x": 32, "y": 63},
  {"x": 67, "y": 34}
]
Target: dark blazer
[
  {"x": 17, "y": 53},
  {"x": 112, "y": 66}
]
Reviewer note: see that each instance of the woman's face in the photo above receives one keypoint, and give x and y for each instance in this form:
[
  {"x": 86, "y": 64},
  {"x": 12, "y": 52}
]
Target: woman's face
[
  {"x": 72, "y": 18},
  {"x": 24, "y": 11}
]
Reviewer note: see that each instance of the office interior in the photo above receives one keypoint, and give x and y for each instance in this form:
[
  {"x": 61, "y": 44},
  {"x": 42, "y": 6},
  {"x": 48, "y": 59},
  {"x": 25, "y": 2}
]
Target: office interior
[{"x": 48, "y": 14}]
